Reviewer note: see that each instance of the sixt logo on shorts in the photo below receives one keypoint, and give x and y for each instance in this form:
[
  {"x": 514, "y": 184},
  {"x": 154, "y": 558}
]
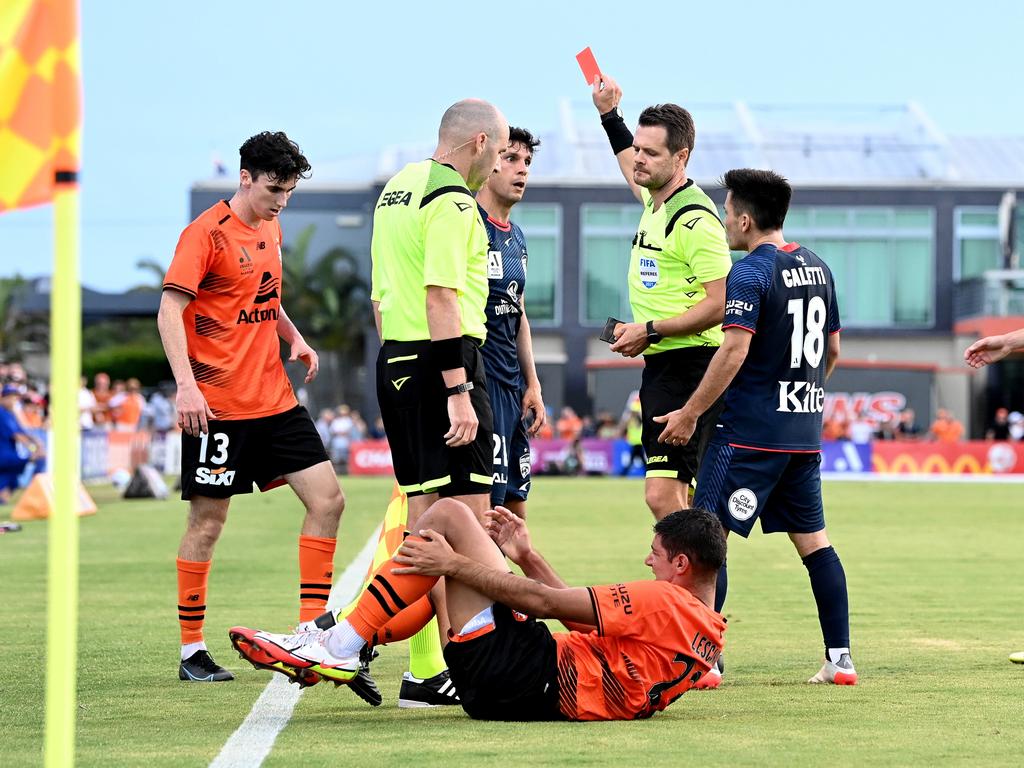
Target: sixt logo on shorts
[
  {"x": 222, "y": 476},
  {"x": 620, "y": 599}
]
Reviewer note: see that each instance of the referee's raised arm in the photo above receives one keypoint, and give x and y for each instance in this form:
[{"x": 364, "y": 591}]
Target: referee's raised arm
[{"x": 607, "y": 94}]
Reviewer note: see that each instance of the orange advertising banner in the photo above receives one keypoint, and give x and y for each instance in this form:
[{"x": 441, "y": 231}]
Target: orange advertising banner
[{"x": 966, "y": 458}]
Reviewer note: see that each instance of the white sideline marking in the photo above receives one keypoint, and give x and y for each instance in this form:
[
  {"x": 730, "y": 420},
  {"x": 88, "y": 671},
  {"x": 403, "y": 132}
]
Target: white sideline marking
[
  {"x": 872, "y": 477},
  {"x": 249, "y": 746}
]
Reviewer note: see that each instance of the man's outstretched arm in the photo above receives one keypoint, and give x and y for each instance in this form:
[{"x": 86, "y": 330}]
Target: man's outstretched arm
[{"x": 433, "y": 556}]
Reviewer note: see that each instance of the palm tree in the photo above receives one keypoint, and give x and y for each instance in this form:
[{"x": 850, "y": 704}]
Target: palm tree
[
  {"x": 12, "y": 321},
  {"x": 154, "y": 268},
  {"x": 329, "y": 303}
]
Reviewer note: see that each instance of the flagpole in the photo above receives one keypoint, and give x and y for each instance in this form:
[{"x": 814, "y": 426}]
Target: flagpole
[
  {"x": 62, "y": 586},
  {"x": 65, "y": 370}
]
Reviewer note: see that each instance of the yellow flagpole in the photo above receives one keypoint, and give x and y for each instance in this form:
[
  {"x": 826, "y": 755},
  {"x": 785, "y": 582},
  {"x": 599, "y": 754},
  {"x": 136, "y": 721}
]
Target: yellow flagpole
[
  {"x": 65, "y": 369},
  {"x": 62, "y": 587}
]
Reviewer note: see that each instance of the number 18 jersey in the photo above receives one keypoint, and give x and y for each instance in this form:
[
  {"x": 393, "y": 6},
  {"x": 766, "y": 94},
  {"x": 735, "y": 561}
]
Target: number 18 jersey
[{"x": 785, "y": 297}]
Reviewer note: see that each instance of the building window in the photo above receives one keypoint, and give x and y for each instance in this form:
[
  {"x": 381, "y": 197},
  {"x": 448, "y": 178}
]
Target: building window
[
  {"x": 882, "y": 260},
  {"x": 976, "y": 238},
  {"x": 606, "y": 239},
  {"x": 542, "y": 226}
]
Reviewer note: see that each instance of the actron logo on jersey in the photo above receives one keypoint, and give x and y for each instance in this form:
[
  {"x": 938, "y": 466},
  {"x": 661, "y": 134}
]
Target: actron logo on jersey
[{"x": 267, "y": 290}]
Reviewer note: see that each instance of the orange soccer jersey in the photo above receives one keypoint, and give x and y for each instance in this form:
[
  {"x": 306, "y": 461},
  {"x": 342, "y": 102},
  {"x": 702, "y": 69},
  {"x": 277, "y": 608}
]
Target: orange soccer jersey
[
  {"x": 234, "y": 274},
  {"x": 653, "y": 641}
]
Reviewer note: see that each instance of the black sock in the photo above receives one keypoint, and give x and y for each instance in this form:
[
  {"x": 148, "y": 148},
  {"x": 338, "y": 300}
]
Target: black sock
[
  {"x": 721, "y": 587},
  {"x": 828, "y": 583}
]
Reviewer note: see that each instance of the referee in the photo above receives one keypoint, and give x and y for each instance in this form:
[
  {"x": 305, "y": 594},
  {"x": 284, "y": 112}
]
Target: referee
[
  {"x": 429, "y": 291},
  {"x": 677, "y": 270}
]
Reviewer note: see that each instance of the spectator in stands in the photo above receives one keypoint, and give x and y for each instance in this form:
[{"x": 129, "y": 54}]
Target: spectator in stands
[
  {"x": 908, "y": 428},
  {"x": 945, "y": 428},
  {"x": 17, "y": 447},
  {"x": 547, "y": 429},
  {"x": 886, "y": 429},
  {"x": 102, "y": 393},
  {"x": 999, "y": 429},
  {"x": 33, "y": 415},
  {"x": 569, "y": 424},
  {"x": 323, "y": 426},
  {"x": 861, "y": 429},
  {"x": 834, "y": 427},
  {"x": 160, "y": 414},
  {"x": 588, "y": 427},
  {"x": 341, "y": 435},
  {"x": 1016, "y": 420},
  {"x": 127, "y": 405},
  {"x": 86, "y": 406},
  {"x": 607, "y": 427}
]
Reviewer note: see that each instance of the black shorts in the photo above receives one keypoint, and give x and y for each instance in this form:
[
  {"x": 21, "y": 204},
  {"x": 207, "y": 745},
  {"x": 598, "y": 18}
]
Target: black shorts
[
  {"x": 669, "y": 379},
  {"x": 414, "y": 408},
  {"x": 744, "y": 485},
  {"x": 233, "y": 455},
  {"x": 509, "y": 672}
]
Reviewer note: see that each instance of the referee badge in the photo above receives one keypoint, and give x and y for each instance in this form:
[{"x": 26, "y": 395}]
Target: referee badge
[{"x": 648, "y": 271}]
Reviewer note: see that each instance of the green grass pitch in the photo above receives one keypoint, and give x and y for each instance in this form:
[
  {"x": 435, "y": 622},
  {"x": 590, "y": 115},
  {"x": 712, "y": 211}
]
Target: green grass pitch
[{"x": 936, "y": 578}]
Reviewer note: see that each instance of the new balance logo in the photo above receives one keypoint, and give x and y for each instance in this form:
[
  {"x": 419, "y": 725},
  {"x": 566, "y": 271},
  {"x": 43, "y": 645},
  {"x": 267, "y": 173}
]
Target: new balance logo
[
  {"x": 193, "y": 598},
  {"x": 267, "y": 289},
  {"x": 690, "y": 224},
  {"x": 399, "y": 382},
  {"x": 461, "y": 206}
]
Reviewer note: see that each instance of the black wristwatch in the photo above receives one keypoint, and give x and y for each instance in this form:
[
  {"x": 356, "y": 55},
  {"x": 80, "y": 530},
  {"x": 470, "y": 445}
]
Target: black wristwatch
[
  {"x": 653, "y": 337},
  {"x": 458, "y": 389},
  {"x": 612, "y": 114}
]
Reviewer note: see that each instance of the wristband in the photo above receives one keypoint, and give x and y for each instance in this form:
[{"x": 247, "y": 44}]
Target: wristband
[
  {"x": 447, "y": 353},
  {"x": 458, "y": 389},
  {"x": 653, "y": 337},
  {"x": 619, "y": 135}
]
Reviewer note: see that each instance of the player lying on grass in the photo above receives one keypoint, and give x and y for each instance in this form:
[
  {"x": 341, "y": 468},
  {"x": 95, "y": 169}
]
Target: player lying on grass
[{"x": 632, "y": 648}]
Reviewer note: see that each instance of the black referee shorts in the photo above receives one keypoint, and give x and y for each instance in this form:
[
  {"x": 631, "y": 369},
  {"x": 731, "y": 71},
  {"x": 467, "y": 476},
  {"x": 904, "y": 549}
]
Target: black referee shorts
[
  {"x": 414, "y": 408},
  {"x": 669, "y": 379}
]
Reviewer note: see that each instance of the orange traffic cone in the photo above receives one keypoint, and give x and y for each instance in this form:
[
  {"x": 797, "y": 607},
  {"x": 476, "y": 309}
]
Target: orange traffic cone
[{"x": 37, "y": 500}]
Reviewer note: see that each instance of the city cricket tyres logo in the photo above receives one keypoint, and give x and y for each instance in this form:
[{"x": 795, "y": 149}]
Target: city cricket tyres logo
[{"x": 219, "y": 476}]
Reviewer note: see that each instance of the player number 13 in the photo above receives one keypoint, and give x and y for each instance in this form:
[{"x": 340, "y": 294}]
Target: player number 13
[
  {"x": 807, "y": 342},
  {"x": 221, "y": 454}
]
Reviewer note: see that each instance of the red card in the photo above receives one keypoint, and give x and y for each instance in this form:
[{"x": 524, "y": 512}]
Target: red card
[{"x": 588, "y": 64}]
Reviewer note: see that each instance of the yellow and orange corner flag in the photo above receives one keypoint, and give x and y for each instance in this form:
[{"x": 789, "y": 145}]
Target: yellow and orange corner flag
[
  {"x": 40, "y": 140},
  {"x": 40, "y": 112}
]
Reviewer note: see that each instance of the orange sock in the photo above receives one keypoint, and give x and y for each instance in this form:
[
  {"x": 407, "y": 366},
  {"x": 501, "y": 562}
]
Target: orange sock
[
  {"x": 192, "y": 576},
  {"x": 406, "y": 624},
  {"x": 387, "y": 595},
  {"x": 316, "y": 569}
]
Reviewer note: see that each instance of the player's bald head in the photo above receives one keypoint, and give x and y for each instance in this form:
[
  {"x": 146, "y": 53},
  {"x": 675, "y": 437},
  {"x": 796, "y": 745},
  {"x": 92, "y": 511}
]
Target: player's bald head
[{"x": 469, "y": 117}]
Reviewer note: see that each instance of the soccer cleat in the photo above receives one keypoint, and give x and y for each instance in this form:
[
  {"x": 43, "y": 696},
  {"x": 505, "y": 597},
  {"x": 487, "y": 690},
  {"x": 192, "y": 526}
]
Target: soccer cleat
[
  {"x": 712, "y": 678},
  {"x": 840, "y": 673},
  {"x": 362, "y": 684},
  {"x": 242, "y": 640},
  {"x": 1017, "y": 658},
  {"x": 201, "y": 668},
  {"x": 305, "y": 650},
  {"x": 435, "y": 691}
]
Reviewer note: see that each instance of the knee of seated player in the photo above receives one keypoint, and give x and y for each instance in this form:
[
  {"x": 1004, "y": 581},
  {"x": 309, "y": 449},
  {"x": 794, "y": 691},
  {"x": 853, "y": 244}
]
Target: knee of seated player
[{"x": 446, "y": 516}]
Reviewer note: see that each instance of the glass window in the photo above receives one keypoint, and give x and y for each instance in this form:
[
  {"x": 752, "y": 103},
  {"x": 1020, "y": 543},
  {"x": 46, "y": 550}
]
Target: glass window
[
  {"x": 606, "y": 239},
  {"x": 881, "y": 258},
  {"x": 976, "y": 235},
  {"x": 542, "y": 227}
]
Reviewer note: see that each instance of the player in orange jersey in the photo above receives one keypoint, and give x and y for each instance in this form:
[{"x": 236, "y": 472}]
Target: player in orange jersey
[
  {"x": 220, "y": 320},
  {"x": 632, "y": 649}
]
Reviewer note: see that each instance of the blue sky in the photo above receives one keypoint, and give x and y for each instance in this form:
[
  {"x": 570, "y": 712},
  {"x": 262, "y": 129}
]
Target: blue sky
[{"x": 169, "y": 85}]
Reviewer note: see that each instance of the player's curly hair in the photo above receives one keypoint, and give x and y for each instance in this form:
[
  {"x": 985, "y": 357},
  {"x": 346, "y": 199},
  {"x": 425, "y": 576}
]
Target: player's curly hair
[
  {"x": 762, "y": 195},
  {"x": 273, "y": 153},
  {"x": 523, "y": 138},
  {"x": 678, "y": 124},
  {"x": 695, "y": 533}
]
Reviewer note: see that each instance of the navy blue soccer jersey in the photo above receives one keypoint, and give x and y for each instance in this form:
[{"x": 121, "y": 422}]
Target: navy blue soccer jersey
[
  {"x": 506, "y": 277},
  {"x": 786, "y": 297}
]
